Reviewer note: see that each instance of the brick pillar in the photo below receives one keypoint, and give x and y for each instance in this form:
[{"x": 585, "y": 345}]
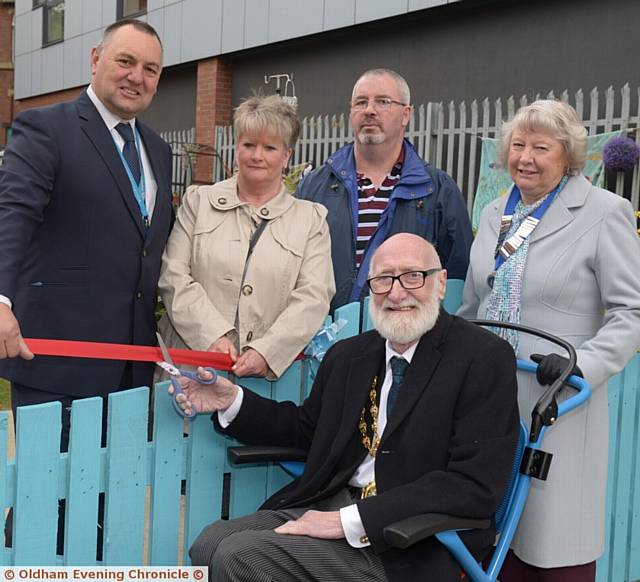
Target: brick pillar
[
  {"x": 213, "y": 107},
  {"x": 6, "y": 69}
]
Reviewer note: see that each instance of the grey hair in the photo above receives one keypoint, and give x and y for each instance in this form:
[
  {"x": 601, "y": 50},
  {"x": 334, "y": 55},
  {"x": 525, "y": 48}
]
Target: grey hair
[
  {"x": 402, "y": 85},
  {"x": 137, "y": 24},
  {"x": 271, "y": 114},
  {"x": 554, "y": 118}
]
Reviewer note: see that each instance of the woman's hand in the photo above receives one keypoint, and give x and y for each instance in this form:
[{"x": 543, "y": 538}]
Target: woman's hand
[
  {"x": 251, "y": 363},
  {"x": 205, "y": 397},
  {"x": 225, "y": 346}
]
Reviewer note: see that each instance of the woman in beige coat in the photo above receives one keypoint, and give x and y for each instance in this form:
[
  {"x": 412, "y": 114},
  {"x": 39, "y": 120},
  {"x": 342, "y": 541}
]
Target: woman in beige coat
[{"x": 247, "y": 269}]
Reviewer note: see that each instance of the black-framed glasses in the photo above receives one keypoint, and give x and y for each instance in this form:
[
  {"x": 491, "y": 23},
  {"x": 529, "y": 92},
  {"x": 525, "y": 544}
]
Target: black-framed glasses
[
  {"x": 379, "y": 103},
  {"x": 409, "y": 280}
]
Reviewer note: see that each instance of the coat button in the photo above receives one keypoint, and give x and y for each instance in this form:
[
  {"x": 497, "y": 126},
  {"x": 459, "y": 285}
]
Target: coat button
[
  {"x": 138, "y": 295},
  {"x": 249, "y": 336},
  {"x": 247, "y": 290},
  {"x": 145, "y": 252},
  {"x": 264, "y": 211},
  {"x": 222, "y": 200}
]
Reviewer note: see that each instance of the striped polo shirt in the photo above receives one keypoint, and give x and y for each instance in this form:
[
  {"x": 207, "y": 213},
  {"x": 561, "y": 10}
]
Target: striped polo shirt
[{"x": 372, "y": 202}]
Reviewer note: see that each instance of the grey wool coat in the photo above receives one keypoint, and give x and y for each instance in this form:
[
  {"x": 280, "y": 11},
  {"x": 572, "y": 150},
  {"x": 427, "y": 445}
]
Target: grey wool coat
[{"x": 582, "y": 283}]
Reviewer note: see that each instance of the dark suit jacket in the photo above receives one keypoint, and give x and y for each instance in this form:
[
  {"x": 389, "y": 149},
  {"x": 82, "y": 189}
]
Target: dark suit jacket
[
  {"x": 73, "y": 256},
  {"x": 448, "y": 446}
]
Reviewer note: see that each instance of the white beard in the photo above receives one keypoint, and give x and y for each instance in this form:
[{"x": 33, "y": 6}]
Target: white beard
[{"x": 404, "y": 327}]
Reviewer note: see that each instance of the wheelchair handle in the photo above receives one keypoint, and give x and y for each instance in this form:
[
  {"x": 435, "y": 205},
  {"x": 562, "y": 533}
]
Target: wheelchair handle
[{"x": 546, "y": 410}]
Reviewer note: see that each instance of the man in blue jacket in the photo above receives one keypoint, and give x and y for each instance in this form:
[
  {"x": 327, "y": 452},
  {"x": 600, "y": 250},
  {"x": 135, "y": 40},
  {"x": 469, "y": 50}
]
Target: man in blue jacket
[{"x": 379, "y": 186}]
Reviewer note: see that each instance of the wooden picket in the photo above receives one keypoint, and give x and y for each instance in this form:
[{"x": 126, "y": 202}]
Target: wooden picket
[
  {"x": 621, "y": 559},
  {"x": 182, "y": 143},
  {"x": 448, "y": 135}
]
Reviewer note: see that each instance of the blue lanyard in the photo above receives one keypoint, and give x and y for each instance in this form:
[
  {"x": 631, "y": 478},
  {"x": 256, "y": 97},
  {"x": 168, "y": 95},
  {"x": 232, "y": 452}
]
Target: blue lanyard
[
  {"x": 514, "y": 198},
  {"x": 138, "y": 188}
]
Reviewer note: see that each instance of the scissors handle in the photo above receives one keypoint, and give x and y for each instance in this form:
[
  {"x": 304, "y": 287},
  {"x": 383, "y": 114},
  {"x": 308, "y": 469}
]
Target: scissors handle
[
  {"x": 194, "y": 376},
  {"x": 177, "y": 389}
]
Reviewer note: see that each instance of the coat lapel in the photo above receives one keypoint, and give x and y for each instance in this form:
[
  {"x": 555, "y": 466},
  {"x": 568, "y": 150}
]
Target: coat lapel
[
  {"x": 97, "y": 132},
  {"x": 362, "y": 371},
  {"x": 496, "y": 211},
  {"x": 423, "y": 365},
  {"x": 559, "y": 215}
]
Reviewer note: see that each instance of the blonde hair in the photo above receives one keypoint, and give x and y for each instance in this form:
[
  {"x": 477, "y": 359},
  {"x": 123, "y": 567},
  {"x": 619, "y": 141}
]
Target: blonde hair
[
  {"x": 554, "y": 118},
  {"x": 259, "y": 114}
]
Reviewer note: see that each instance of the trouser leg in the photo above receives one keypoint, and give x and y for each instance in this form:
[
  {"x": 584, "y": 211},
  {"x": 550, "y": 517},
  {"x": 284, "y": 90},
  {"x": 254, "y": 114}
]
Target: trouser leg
[{"x": 248, "y": 550}]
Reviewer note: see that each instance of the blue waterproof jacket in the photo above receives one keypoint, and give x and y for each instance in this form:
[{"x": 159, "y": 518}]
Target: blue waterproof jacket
[{"x": 425, "y": 201}]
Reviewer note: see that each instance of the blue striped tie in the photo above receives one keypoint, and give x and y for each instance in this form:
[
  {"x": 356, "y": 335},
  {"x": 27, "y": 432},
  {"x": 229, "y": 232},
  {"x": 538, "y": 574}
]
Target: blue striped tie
[
  {"x": 398, "y": 368},
  {"x": 130, "y": 151}
]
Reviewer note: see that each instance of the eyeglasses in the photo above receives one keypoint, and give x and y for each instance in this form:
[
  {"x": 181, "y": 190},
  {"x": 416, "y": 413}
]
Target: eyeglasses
[
  {"x": 379, "y": 103},
  {"x": 408, "y": 280}
]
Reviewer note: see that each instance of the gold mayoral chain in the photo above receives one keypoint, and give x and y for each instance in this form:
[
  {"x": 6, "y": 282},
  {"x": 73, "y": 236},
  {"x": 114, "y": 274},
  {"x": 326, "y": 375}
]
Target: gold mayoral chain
[{"x": 372, "y": 447}]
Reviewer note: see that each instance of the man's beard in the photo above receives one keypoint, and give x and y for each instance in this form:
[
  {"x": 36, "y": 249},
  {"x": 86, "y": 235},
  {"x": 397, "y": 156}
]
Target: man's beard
[
  {"x": 404, "y": 327},
  {"x": 365, "y": 138}
]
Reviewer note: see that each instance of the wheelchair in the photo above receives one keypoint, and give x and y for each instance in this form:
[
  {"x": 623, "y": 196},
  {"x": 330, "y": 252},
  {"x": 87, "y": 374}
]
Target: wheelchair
[{"x": 530, "y": 462}]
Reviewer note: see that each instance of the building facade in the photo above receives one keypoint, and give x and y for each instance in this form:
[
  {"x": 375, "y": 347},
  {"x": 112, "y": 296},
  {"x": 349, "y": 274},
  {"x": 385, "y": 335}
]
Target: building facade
[
  {"x": 6, "y": 69},
  {"x": 218, "y": 51}
]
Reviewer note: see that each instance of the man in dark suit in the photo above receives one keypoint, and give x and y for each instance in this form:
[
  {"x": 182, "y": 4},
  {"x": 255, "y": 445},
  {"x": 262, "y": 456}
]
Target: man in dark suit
[
  {"x": 418, "y": 416},
  {"x": 85, "y": 212}
]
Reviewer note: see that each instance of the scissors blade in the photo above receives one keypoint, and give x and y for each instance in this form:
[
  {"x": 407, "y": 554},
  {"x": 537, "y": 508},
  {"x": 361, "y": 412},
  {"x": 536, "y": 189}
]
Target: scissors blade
[{"x": 164, "y": 350}]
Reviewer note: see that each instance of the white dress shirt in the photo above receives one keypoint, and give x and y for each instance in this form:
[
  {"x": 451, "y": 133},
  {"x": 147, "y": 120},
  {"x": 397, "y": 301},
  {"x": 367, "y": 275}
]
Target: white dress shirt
[
  {"x": 350, "y": 516},
  {"x": 111, "y": 120}
]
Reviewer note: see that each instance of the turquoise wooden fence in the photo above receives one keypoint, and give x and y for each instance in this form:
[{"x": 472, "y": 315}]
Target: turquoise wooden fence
[{"x": 148, "y": 521}]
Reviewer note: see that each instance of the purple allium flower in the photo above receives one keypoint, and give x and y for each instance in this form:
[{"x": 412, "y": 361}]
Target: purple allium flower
[{"x": 620, "y": 154}]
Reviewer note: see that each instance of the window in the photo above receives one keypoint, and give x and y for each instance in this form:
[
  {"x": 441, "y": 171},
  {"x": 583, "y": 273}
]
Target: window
[
  {"x": 52, "y": 21},
  {"x": 129, "y": 8},
  {"x": 37, "y": 3}
]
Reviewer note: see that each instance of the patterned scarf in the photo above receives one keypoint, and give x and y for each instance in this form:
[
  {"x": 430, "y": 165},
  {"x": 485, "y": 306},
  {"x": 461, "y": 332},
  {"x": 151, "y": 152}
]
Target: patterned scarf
[{"x": 506, "y": 295}]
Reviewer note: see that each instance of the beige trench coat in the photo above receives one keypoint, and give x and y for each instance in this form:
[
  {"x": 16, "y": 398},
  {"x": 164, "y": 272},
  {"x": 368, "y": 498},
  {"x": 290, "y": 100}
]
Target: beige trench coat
[{"x": 288, "y": 282}]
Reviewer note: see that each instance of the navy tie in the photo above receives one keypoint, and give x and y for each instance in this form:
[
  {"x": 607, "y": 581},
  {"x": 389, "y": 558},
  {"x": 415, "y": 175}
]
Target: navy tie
[
  {"x": 129, "y": 151},
  {"x": 398, "y": 368}
]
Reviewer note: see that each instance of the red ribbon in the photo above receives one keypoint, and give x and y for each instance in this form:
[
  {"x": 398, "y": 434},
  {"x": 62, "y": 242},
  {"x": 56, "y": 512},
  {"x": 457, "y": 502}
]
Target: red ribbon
[{"x": 105, "y": 351}]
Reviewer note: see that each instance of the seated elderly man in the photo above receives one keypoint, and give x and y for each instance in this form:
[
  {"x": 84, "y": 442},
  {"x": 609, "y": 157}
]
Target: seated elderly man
[{"x": 417, "y": 416}]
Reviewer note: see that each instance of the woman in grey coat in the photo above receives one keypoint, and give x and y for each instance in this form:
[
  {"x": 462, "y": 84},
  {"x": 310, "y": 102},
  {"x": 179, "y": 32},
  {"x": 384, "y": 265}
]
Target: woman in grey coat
[{"x": 559, "y": 254}]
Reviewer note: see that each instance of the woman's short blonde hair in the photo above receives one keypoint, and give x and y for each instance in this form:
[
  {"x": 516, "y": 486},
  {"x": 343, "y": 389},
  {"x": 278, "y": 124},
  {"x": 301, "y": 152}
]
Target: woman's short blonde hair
[
  {"x": 271, "y": 115},
  {"x": 554, "y": 118}
]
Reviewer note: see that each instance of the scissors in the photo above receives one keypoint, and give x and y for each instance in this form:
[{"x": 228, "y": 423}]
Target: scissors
[{"x": 168, "y": 366}]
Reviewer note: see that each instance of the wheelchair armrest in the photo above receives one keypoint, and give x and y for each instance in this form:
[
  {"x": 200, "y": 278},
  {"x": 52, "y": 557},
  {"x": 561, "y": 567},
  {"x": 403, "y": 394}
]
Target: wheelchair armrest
[
  {"x": 257, "y": 454},
  {"x": 406, "y": 532}
]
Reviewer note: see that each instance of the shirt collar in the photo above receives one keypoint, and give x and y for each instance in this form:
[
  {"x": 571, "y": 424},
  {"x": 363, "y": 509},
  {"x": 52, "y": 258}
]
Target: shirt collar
[
  {"x": 407, "y": 354},
  {"x": 110, "y": 120}
]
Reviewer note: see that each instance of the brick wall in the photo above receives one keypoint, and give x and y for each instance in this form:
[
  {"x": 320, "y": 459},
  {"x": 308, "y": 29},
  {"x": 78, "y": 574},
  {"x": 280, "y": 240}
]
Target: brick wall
[
  {"x": 213, "y": 107},
  {"x": 6, "y": 69},
  {"x": 48, "y": 99}
]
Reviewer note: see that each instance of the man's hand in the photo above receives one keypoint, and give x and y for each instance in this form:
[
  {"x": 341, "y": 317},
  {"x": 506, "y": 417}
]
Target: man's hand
[
  {"x": 206, "y": 398},
  {"x": 324, "y": 525},
  {"x": 251, "y": 363},
  {"x": 11, "y": 342},
  {"x": 225, "y": 346}
]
